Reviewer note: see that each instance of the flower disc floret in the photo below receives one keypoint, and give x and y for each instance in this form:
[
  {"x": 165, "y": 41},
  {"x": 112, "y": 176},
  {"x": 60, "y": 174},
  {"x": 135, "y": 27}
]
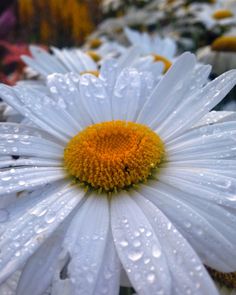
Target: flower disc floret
[{"x": 114, "y": 155}]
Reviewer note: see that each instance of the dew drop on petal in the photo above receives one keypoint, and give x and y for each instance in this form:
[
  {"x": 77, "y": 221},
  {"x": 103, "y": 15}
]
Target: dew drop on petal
[
  {"x": 135, "y": 255},
  {"x": 90, "y": 277},
  {"x": 123, "y": 243},
  {"x": 151, "y": 277},
  {"x": 136, "y": 243},
  {"x": 156, "y": 252},
  {"x": 18, "y": 253},
  {"x": 50, "y": 217}
]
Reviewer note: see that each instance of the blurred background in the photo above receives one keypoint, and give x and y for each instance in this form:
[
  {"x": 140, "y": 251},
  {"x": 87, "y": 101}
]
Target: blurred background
[{"x": 193, "y": 24}]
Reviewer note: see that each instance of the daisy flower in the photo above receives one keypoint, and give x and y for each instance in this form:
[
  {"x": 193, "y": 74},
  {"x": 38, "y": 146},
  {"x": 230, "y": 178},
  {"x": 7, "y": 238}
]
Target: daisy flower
[
  {"x": 221, "y": 54},
  {"x": 162, "y": 49},
  {"x": 119, "y": 175},
  {"x": 212, "y": 15},
  {"x": 64, "y": 61},
  {"x": 61, "y": 61}
]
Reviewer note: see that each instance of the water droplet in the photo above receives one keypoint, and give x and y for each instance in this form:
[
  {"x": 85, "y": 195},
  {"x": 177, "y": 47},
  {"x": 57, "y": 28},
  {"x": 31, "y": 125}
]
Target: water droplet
[
  {"x": 18, "y": 253},
  {"x": 90, "y": 277},
  {"x": 40, "y": 228},
  {"x": 156, "y": 252},
  {"x": 142, "y": 229},
  {"x": 136, "y": 243},
  {"x": 124, "y": 243},
  {"x": 6, "y": 178},
  {"x": 151, "y": 278},
  {"x": 50, "y": 217},
  {"x": 148, "y": 233},
  {"x": 147, "y": 260},
  {"x": 38, "y": 211},
  {"x": 135, "y": 255}
]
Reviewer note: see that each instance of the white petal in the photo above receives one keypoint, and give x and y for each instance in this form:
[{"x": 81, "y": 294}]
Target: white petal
[
  {"x": 205, "y": 184},
  {"x": 207, "y": 238},
  {"x": 108, "y": 74},
  {"x": 24, "y": 235},
  {"x": 208, "y": 141},
  {"x": 225, "y": 167},
  {"x": 41, "y": 109},
  {"x": 128, "y": 58},
  {"x": 9, "y": 286},
  {"x": 171, "y": 82},
  {"x": 126, "y": 95},
  {"x": 216, "y": 117},
  {"x": 65, "y": 91},
  {"x": 138, "y": 247},
  {"x": 75, "y": 60},
  {"x": 171, "y": 103},
  {"x": 198, "y": 104},
  {"x": 187, "y": 271},
  {"x": 95, "y": 98},
  {"x": 27, "y": 145},
  {"x": 28, "y": 161},
  {"x": 43, "y": 62},
  {"x": 109, "y": 280},
  {"x": 14, "y": 128},
  {"x": 85, "y": 243},
  {"x": 40, "y": 267},
  {"x": 19, "y": 179}
]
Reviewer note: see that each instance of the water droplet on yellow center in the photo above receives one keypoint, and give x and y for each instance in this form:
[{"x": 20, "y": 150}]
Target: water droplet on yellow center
[
  {"x": 224, "y": 43},
  {"x": 114, "y": 155},
  {"x": 164, "y": 60},
  {"x": 222, "y": 14}
]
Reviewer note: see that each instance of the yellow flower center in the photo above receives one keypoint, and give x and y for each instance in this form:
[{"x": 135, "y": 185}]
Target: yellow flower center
[
  {"x": 164, "y": 60},
  {"x": 224, "y": 43},
  {"x": 114, "y": 155},
  {"x": 95, "y": 73},
  {"x": 96, "y": 57},
  {"x": 222, "y": 14},
  {"x": 95, "y": 43}
]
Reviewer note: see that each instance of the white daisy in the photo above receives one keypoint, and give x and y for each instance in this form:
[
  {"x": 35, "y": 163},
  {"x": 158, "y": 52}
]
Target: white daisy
[
  {"x": 221, "y": 54},
  {"x": 61, "y": 61},
  {"x": 162, "y": 49},
  {"x": 64, "y": 61},
  {"x": 211, "y": 15},
  {"x": 156, "y": 186}
]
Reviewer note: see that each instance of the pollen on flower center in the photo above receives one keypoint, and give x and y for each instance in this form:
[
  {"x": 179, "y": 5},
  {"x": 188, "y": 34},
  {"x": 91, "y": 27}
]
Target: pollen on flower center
[
  {"x": 222, "y": 14},
  {"x": 113, "y": 155}
]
